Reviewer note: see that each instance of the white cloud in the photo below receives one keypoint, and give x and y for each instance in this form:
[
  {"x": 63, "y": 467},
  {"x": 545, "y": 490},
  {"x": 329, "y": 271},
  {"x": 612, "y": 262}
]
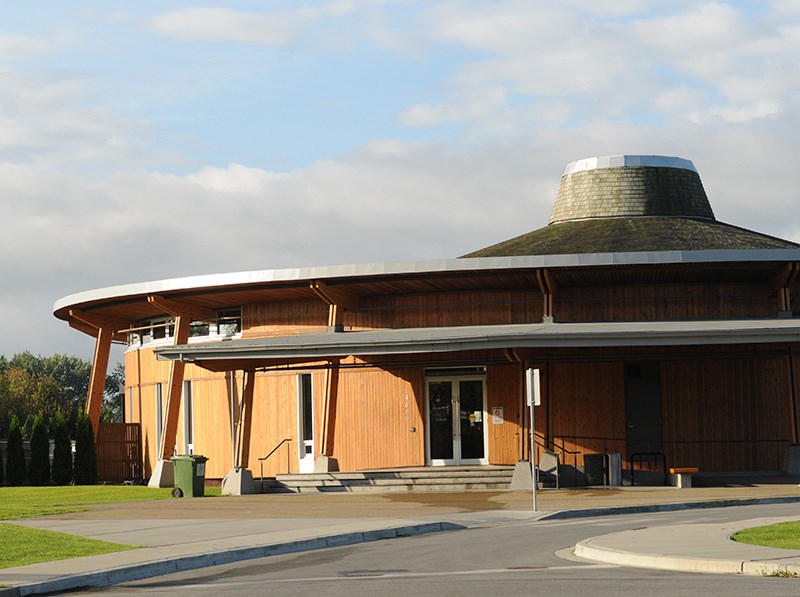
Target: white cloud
[
  {"x": 695, "y": 61},
  {"x": 740, "y": 114},
  {"x": 202, "y": 24},
  {"x": 481, "y": 103},
  {"x": 14, "y": 46}
]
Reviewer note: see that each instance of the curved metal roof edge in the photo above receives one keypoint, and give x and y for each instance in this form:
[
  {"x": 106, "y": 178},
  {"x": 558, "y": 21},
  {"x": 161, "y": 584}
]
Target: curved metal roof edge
[
  {"x": 421, "y": 267},
  {"x": 629, "y": 161}
]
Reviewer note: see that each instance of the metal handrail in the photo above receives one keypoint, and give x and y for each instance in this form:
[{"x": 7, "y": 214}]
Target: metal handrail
[
  {"x": 275, "y": 449},
  {"x": 648, "y": 458},
  {"x": 554, "y": 444}
]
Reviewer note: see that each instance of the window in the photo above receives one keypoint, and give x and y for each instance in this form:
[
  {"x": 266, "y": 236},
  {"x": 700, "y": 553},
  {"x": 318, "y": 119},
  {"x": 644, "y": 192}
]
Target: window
[
  {"x": 151, "y": 330},
  {"x": 159, "y": 417},
  {"x": 306, "y": 407},
  {"x": 199, "y": 328},
  {"x": 188, "y": 418},
  {"x": 305, "y": 422},
  {"x": 129, "y": 414},
  {"x": 229, "y": 322}
]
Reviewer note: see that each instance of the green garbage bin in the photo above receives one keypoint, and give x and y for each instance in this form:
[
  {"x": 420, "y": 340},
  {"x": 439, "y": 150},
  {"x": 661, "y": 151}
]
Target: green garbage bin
[{"x": 190, "y": 475}]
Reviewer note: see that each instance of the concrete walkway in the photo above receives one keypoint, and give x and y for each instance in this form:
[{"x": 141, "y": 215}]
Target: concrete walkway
[
  {"x": 693, "y": 548},
  {"x": 184, "y": 534}
]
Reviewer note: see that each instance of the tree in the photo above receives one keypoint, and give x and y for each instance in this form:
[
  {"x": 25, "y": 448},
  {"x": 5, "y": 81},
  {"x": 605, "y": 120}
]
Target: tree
[
  {"x": 85, "y": 456},
  {"x": 62, "y": 452},
  {"x": 30, "y": 384},
  {"x": 39, "y": 469},
  {"x": 113, "y": 399},
  {"x": 15, "y": 454}
]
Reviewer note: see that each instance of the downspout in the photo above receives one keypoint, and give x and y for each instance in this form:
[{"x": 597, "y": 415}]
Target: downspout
[{"x": 793, "y": 397}]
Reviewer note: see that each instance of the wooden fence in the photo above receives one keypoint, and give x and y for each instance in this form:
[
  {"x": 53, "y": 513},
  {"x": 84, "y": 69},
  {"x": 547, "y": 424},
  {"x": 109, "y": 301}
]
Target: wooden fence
[{"x": 119, "y": 453}]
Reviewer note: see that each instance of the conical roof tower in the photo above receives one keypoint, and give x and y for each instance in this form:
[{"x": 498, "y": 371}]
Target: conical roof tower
[{"x": 631, "y": 203}]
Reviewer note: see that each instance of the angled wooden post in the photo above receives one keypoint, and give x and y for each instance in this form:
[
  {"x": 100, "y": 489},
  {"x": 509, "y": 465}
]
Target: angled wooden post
[
  {"x": 239, "y": 479},
  {"x": 329, "y": 408},
  {"x": 245, "y": 420},
  {"x": 106, "y": 328},
  {"x": 97, "y": 381},
  {"x": 174, "y": 392}
]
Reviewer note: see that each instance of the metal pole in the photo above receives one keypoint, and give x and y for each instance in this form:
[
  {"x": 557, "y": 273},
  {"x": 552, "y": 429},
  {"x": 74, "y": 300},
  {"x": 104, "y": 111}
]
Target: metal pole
[
  {"x": 534, "y": 399},
  {"x": 533, "y": 458}
]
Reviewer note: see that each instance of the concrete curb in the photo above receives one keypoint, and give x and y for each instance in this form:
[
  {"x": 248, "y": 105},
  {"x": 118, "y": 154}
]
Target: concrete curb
[
  {"x": 671, "y": 507},
  {"x": 587, "y": 549},
  {"x": 111, "y": 576}
]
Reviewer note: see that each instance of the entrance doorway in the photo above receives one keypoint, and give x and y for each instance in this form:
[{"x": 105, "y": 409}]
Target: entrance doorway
[
  {"x": 456, "y": 416},
  {"x": 643, "y": 407},
  {"x": 305, "y": 421}
]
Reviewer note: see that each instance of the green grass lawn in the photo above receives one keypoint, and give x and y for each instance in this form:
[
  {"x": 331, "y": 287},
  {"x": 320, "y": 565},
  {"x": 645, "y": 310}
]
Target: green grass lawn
[
  {"x": 785, "y": 535},
  {"x": 21, "y": 545},
  {"x": 22, "y": 502}
]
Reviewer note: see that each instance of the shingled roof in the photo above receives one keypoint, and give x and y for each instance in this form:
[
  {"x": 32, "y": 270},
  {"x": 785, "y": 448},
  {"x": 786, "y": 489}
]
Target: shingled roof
[{"x": 621, "y": 204}]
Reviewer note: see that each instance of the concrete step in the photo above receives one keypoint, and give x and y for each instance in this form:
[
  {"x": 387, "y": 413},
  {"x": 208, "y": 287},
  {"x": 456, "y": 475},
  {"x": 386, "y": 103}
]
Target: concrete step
[{"x": 428, "y": 479}]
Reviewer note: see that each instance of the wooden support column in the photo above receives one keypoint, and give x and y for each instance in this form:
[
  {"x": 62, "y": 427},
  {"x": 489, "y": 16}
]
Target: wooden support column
[
  {"x": 239, "y": 480},
  {"x": 175, "y": 390},
  {"x": 329, "y": 409},
  {"x": 792, "y": 383},
  {"x": 97, "y": 381},
  {"x": 783, "y": 284},
  {"x": 547, "y": 286},
  {"x": 245, "y": 424},
  {"x": 104, "y": 330}
]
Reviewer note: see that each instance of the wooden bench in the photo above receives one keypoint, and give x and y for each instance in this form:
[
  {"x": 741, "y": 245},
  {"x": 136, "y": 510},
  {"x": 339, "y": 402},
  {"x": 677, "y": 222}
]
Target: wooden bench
[{"x": 682, "y": 476}]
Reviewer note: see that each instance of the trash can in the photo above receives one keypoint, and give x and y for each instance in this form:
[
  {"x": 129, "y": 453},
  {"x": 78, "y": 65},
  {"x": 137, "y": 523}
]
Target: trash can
[
  {"x": 614, "y": 468},
  {"x": 594, "y": 469},
  {"x": 190, "y": 475}
]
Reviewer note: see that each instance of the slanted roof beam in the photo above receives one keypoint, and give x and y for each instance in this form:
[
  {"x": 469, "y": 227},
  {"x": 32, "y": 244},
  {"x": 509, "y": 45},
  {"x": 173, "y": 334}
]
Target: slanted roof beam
[
  {"x": 178, "y": 307},
  {"x": 334, "y": 295},
  {"x": 91, "y": 324},
  {"x": 338, "y": 301}
]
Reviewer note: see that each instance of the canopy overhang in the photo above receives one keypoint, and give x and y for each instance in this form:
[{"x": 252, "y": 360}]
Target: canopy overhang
[{"x": 384, "y": 342}]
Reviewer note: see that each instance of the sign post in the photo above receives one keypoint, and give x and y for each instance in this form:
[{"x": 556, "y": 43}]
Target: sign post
[{"x": 534, "y": 399}]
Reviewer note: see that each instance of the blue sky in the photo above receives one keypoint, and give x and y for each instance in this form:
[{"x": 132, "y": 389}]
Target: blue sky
[{"x": 152, "y": 140}]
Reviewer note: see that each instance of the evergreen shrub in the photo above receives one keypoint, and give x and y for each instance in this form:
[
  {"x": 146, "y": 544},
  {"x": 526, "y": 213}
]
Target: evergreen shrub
[
  {"x": 39, "y": 469},
  {"x": 16, "y": 472},
  {"x": 85, "y": 467},
  {"x": 62, "y": 452}
]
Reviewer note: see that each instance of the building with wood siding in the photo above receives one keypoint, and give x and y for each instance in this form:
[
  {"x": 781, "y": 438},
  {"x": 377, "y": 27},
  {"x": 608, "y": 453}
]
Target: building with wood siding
[{"x": 656, "y": 328}]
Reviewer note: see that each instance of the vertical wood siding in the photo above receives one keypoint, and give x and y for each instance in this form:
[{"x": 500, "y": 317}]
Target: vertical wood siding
[
  {"x": 376, "y": 411},
  {"x": 284, "y": 318},
  {"x": 212, "y": 423},
  {"x": 725, "y": 415},
  {"x": 503, "y": 388},
  {"x": 586, "y": 408},
  {"x": 275, "y": 419},
  {"x": 446, "y": 309},
  {"x": 665, "y": 302}
]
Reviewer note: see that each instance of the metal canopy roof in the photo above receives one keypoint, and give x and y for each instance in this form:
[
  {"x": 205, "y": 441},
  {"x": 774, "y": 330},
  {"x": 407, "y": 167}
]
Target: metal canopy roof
[
  {"x": 453, "y": 339},
  {"x": 220, "y": 290}
]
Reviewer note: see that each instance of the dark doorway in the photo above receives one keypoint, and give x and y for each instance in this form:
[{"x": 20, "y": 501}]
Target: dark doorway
[{"x": 643, "y": 407}]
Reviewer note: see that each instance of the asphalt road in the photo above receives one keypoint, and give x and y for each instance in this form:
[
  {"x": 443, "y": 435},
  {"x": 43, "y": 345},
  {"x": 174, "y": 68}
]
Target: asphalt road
[{"x": 529, "y": 558}]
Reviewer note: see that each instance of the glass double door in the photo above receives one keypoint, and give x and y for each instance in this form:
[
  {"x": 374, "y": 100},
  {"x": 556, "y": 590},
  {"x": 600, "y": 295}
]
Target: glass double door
[{"x": 456, "y": 421}]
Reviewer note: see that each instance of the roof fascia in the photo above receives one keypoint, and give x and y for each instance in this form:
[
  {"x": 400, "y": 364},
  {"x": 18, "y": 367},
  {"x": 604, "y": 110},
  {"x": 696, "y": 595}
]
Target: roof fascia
[{"x": 474, "y": 264}]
